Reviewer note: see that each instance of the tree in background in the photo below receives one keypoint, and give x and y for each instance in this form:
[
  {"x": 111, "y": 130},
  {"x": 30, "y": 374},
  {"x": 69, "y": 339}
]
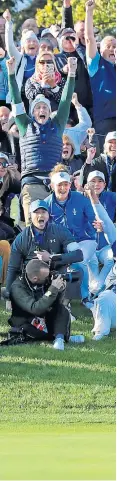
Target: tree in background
[
  {"x": 19, "y": 16},
  {"x": 104, "y": 15}
]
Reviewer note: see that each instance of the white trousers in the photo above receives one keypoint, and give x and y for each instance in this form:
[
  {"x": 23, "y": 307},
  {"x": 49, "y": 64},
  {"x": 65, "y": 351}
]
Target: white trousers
[{"x": 104, "y": 312}]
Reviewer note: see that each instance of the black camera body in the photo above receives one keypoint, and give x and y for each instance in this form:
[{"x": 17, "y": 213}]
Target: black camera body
[{"x": 67, "y": 275}]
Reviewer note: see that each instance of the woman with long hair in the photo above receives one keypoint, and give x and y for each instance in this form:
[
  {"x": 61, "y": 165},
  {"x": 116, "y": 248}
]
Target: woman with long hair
[{"x": 46, "y": 80}]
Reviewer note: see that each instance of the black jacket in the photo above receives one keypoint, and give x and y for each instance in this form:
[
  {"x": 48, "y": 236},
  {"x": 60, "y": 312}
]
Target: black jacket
[
  {"x": 82, "y": 81},
  {"x": 82, "y": 84},
  {"x": 67, "y": 22},
  {"x": 74, "y": 164},
  {"x": 55, "y": 240},
  {"x": 28, "y": 303}
]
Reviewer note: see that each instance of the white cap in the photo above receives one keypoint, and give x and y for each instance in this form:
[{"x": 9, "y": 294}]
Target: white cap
[
  {"x": 96, "y": 173},
  {"x": 3, "y": 156},
  {"x": 28, "y": 36},
  {"x": 110, "y": 136},
  {"x": 45, "y": 32},
  {"x": 60, "y": 177},
  {"x": 40, "y": 98}
]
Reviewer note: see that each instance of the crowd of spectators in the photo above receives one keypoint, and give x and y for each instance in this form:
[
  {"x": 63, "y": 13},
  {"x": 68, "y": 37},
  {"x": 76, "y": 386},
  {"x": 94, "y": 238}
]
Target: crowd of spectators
[{"x": 58, "y": 168}]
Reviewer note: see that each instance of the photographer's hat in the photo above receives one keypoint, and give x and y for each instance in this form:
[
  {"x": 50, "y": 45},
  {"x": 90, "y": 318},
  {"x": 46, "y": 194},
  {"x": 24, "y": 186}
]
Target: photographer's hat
[{"x": 38, "y": 204}]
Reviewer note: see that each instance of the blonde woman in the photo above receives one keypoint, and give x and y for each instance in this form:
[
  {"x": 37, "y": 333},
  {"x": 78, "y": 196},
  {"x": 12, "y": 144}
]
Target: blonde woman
[{"x": 46, "y": 80}]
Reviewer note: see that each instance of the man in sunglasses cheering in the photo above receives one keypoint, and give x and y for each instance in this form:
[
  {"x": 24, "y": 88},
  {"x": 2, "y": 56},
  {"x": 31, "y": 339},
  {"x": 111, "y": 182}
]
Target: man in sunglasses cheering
[{"x": 68, "y": 48}]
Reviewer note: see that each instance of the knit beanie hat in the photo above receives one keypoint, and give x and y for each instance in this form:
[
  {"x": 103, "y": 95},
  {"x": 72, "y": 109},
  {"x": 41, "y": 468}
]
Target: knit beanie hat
[
  {"x": 28, "y": 36},
  {"x": 40, "y": 98},
  {"x": 67, "y": 139}
]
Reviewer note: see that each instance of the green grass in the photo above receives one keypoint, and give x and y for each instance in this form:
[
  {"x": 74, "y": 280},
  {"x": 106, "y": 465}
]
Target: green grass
[
  {"x": 57, "y": 409},
  {"x": 41, "y": 386},
  {"x": 58, "y": 453}
]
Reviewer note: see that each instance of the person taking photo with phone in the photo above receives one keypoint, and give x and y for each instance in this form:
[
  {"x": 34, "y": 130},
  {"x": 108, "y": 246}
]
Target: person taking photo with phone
[{"x": 46, "y": 80}]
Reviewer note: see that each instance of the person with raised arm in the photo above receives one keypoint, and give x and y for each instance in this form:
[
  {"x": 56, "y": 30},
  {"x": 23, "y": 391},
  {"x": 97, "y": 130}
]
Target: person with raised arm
[
  {"x": 40, "y": 136},
  {"x": 102, "y": 72}
]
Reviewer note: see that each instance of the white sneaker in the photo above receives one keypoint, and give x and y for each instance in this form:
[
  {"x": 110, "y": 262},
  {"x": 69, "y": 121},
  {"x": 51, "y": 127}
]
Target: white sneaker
[{"x": 59, "y": 344}]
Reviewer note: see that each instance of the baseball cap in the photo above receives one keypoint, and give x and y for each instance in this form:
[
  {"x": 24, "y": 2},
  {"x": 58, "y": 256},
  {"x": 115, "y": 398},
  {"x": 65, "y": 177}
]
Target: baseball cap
[
  {"x": 66, "y": 31},
  {"x": 96, "y": 173},
  {"x": 38, "y": 204},
  {"x": 110, "y": 136},
  {"x": 60, "y": 177},
  {"x": 45, "y": 32},
  {"x": 3, "y": 156},
  {"x": 45, "y": 40}
]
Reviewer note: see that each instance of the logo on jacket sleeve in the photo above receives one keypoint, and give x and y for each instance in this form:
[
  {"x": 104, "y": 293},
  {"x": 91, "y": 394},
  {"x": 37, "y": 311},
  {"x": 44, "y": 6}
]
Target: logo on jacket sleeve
[{"x": 74, "y": 211}]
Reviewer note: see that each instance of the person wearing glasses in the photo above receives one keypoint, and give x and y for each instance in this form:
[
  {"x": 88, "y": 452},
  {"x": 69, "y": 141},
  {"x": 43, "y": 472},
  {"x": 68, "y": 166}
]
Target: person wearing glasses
[
  {"x": 67, "y": 45},
  {"x": 46, "y": 80}
]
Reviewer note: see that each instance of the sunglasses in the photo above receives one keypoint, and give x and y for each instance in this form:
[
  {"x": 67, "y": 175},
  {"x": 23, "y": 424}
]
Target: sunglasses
[
  {"x": 46, "y": 62},
  {"x": 69, "y": 37},
  {"x": 4, "y": 164}
]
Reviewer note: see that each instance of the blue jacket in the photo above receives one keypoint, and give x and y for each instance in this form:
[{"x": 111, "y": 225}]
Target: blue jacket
[
  {"x": 108, "y": 200},
  {"x": 41, "y": 148},
  {"x": 75, "y": 214},
  {"x": 103, "y": 85},
  {"x": 3, "y": 79}
]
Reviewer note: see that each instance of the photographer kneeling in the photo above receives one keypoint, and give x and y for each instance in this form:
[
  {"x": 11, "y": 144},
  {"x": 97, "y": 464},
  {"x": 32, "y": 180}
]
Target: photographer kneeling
[{"x": 37, "y": 305}]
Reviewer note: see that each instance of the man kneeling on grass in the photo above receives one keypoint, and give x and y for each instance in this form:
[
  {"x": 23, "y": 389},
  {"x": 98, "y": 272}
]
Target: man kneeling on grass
[{"x": 37, "y": 305}]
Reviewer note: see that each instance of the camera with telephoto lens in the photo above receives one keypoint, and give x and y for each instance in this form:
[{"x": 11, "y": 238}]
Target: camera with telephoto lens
[
  {"x": 55, "y": 263},
  {"x": 69, "y": 276}
]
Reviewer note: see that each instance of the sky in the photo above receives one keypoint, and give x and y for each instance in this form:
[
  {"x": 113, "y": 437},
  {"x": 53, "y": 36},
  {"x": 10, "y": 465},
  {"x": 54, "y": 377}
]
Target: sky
[{"x": 22, "y": 5}]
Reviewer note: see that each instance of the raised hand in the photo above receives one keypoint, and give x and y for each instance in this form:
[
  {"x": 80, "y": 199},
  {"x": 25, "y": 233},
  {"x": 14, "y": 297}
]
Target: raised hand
[
  {"x": 90, "y": 154},
  {"x": 98, "y": 225},
  {"x": 90, "y": 5},
  {"x": 11, "y": 65},
  {"x": 7, "y": 15},
  {"x": 72, "y": 66},
  {"x": 75, "y": 99},
  {"x": 90, "y": 192}
]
